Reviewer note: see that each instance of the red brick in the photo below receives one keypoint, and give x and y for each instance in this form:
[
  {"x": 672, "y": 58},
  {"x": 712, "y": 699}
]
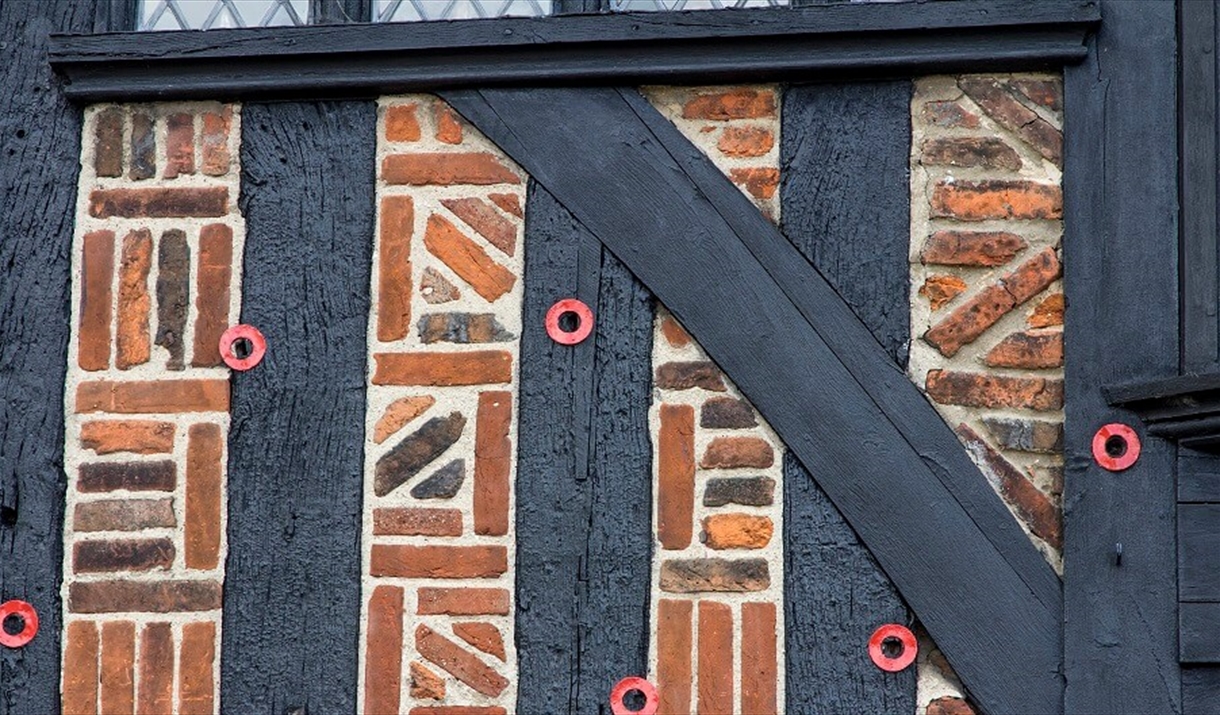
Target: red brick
[
  {"x": 484, "y": 218},
  {"x": 674, "y": 652},
  {"x": 746, "y": 141},
  {"x": 448, "y": 128},
  {"x": 986, "y": 152},
  {"x": 425, "y": 685},
  {"x": 1033, "y": 350},
  {"x": 136, "y": 436},
  {"x": 492, "y": 463},
  {"x": 476, "y": 367},
  {"x": 948, "y": 113},
  {"x": 759, "y": 680},
  {"x": 1047, "y": 313},
  {"x": 204, "y": 474},
  {"x": 212, "y": 293},
  {"x": 509, "y": 202},
  {"x": 211, "y": 202},
  {"x": 123, "y": 515},
  {"x": 215, "y": 141},
  {"x": 463, "y": 602},
  {"x": 401, "y": 123},
  {"x": 156, "y": 689},
  {"x": 730, "y": 104},
  {"x": 458, "y": 710},
  {"x": 415, "y": 521},
  {"x": 122, "y": 555},
  {"x": 108, "y": 143},
  {"x": 196, "y": 690},
  {"x": 971, "y": 248},
  {"x": 383, "y": 661},
  {"x": 80, "y": 676},
  {"x": 941, "y": 289},
  {"x": 996, "y": 199},
  {"x": 676, "y": 476},
  {"x": 995, "y": 99},
  {"x": 118, "y": 677},
  {"x": 158, "y": 476},
  {"x": 458, "y": 662},
  {"x": 949, "y": 705},
  {"x": 1034, "y": 507},
  {"x": 132, "y": 339},
  {"x": 152, "y": 397},
  {"x": 470, "y": 262},
  {"x": 674, "y": 333},
  {"x": 737, "y": 452},
  {"x": 687, "y": 375},
  {"x": 438, "y": 561},
  {"x": 976, "y": 390},
  {"x": 761, "y": 181},
  {"x": 179, "y": 145},
  {"x": 399, "y": 414},
  {"x": 394, "y": 268},
  {"x": 1033, "y": 276},
  {"x": 737, "y": 531},
  {"x": 447, "y": 169},
  {"x": 484, "y": 636},
  {"x": 1047, "y": 92},
  {"x": 970, "y": 320},
  {"x": 715, "y": 658},
  {"x": 143, "y": 596},
  {"x": 96, "y": 297}
]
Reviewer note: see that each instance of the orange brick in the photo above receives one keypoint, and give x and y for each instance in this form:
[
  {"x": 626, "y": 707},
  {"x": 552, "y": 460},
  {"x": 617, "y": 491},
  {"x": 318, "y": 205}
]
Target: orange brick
[
  {"x": 446, "y": 169},
  {"x": 215, "y": 141},
  {"x": 416, "y": 521},
  {"x": 458, "y": 662},
  {"x": 1032, "y": 350},
  {"x": 761, "y": 182},
  {"x": 971, "y": 248},
  {"x": 715, "y": 658},
  {"x": 977, "y": 390},
  {"x": 426, "y": 685},
  {"x": 152, "y": 397},
  {"x": 118, "y": 678},
  {"x": 484, "y": 636},
  {"x": 136, "y": 436},
  {"x": 941, "y": 289},
  {"x": 970, "y": 320},
  {"x": 674, "y": 655},
  {"x": 96, "y": 297},
  {"x": 484, "y": 218},
  {"x": 737, "y": 531},
  {"x": 204, "y": 470},
  {"x": 132, "y": 338},
  {"x": 401, "y": 123},
  {"x": 399, "y": 413},
  {"x": 996, "y": 199},
  {"x": 156, "y": 670},
  {"x": 746, "y": 141},
  {"x": 470, "y": 262},
  {"x": 108, "y": 143},
  {"x": 476, "y": 367},
  {"x": 211, "y": 202},
  {"x": 676, "y": 476},
  {"x": 448, "y": 129},
  {"x": 80, "y": 677},
  {"x": 383, "y": 672},
  {"x": 509, "y": 202},
  {"x": 463, "y": 602},
  {"x": 212, "y": 293},
  {"x": 759, "y": 684},
  {"x": 731, "y": 104},
  {"x": 394, "y": 269},
  {"x": 438, "y": 561},
  {"x": 492, "y": 463},
  {"x": 674, "y": 333},
  {"x": 196, "y": 690},
  {"x": 1047, "y": 313}
]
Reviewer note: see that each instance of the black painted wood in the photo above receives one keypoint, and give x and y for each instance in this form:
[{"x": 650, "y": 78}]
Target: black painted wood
[
  {"x": 1198, "y": 477},
  {"x": 625, "y": 48},
  {"x": 584, "y": 491},
  {"x": 39, "y": 161},
  {"x": 1199, "y": 552},
  {"x": 1201, "y": 690},
  {"x": 1200, "y": 248},
  {"x": 1121, "y": 183},
  {"x": 1184, "y": 408},
  {"x": 296, "y": 443},
  {"x": 1197, "y": 636},
  {"x": 340, "y": 12},
  {"x": 844, "y": 192},
  {"x": 876, "y": 447}
]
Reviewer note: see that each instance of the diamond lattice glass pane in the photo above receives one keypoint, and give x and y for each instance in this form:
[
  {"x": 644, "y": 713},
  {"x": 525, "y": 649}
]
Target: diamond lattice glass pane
[
  {"x": 669, "y": 5},
  {"x": 212, "y": 14},
  {"x": 417, "y": 10}
]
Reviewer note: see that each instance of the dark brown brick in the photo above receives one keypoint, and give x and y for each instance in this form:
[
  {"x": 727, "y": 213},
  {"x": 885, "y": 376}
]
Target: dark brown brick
[
  {"x": 1046, "y": 92},
  {"x": 123, "y": 515},
  {"x": 714, "y": 575},
  {"x": 688, "y": 375},
  {"x": 948, "y": 113},
  {"x": 462, "y": 328},
  {"x": 159, "y": 203},
  {"x": 143, "y": 596},
  {"x": 509, "y": 202},
  {"x": 1026, "y": 435},
  {"x": 444, "y": 483},
  {"x": 436, "y": 289},
  {"x": 747, "y": 491},
  {"x": 978, "y": 390},
  {"x": 458, "y": 662},
  {"x": 484, "y": 218},
  {"x": 738, "y": 452},
  {"x": 996, "y": 199},
  {"x": 179, "y": 145},
  {"x": 108, "y": 143},
  {"x": 457, "y": 710},
  {"x": 133, "y": 476},
  {"x": 173, "y": 300},
  {"x": 416, "y": 451},
  {"x": 986, "y": 152},
  {"x": 415, "y": 521},
  {"x": 143, "y": 147},
  {"x": 1035, "y": 508},
  {"x": 212, "y": 293},
  {"x": 462, "y": 602},
  {"x": 156, "y": 670},
  {"x": 122, "y": 555},
  {"x": 998, "y": 102},
  {"x": 96, "y": 297},
  {"x": 971, "y": 248},
  {"x": 438, "y": 561},
  {"x": 949, "y": 705},
  {"x": 727, "y": 413},
  {"x": 1032, "y": 350}
]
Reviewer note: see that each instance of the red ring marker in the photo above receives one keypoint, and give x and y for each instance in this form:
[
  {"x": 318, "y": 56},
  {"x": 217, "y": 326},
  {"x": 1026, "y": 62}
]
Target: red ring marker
[
  {"x": 910, "y": 648},
  {"x": 583, "y": 314},
  {"x": 1103, "y": 438},
  {"x": 26, "y": 612},
  {"x": 258, "y": 347},
  {"x": 626, "y": 685}
]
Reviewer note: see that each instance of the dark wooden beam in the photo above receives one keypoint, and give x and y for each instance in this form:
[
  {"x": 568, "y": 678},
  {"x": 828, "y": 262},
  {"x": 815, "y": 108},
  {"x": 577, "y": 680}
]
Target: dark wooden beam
[
  {"x": 878, "y": 449},
  {"x": 1120, "y": 276},
  {"x": 814, "y": 43},
  {"x": 296, "y": 442}
]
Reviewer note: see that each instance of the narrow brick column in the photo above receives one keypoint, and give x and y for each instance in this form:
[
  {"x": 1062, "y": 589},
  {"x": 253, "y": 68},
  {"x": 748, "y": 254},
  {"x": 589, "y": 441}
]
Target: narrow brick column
[
  {"x": 718, "y": 598},
  {"x": 442, "y": 415},
  {"x": 156, "y": 257}
]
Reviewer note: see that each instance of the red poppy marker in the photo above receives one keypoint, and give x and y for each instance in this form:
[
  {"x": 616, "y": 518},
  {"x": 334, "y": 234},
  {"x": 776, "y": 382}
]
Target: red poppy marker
[
  {"x": 1116, "y": 447},
  {"x": 29, "y": 619},
  {"x": 242, "y": 347},
  {"x": 893, "y": 647},
  {"x": 573, "y": 310},
  {"x": 627, "y": 685}
]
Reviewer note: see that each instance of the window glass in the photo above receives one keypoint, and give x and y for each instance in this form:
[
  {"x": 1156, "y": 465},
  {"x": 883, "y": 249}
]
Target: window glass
[
  {"x": 210, "y": 14},
  {"x": 415, "y": 10},
  {"x": 662, "y": 5}
]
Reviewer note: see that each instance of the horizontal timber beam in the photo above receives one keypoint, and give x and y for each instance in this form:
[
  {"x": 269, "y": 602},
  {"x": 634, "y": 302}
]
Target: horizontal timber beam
[{"x": 842, "y": 41}]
